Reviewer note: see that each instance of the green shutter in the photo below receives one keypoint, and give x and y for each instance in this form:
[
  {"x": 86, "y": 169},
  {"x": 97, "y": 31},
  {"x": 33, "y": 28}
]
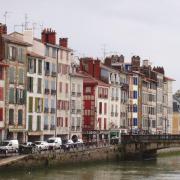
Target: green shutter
[{"x": 11, "y": 95}]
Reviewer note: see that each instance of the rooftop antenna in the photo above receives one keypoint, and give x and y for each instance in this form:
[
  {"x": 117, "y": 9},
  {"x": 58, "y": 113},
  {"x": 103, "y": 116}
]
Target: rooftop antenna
[
  {"x": 26, "y": 22},
  {"x": 5, "y": 16},
  {"x": 104, "y": 51},
  {"x": 22, "y": 26}
]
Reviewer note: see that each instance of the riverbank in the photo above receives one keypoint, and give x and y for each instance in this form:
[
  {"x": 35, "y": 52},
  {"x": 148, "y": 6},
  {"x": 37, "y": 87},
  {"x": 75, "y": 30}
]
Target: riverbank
[
  {"x": 59, "y": 158},
  {"x": 175, "y": 151}
]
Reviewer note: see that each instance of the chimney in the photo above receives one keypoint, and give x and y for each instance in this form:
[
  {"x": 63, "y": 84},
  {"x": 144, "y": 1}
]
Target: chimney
[
  {"x": 48, "y": 36},
  {"x": 63, "y": 42},
  {"x": 3, "y": 29},
  {"x": 97, "y": 69}
]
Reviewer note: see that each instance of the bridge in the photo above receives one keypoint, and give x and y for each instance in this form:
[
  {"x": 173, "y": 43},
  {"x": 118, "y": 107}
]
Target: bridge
[{"x": 145, "y": 146}]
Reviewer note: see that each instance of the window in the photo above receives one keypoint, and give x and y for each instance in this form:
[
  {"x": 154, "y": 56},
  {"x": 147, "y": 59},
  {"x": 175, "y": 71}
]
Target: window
[
  {"x": 12, "y": 52},
  {"x": 73, "y": 87},
  {"x": 11, "y": 116},
  {"x": 20, "y": 117},
  {"x": 11, "y": 74},
  {"x": 54, "y": 53},
  {"x": 46, "y": 84},
  {"x": 66, "y": 122},
  {"x": 30, "y": 84},
  {"x": 105, "y": 121},
  {"x": 1, "y": 114},
  {"x": 31, "y": 65},
  {"x": 47, "y": 68},
  {"x": 1, "y": 72},
  {"x": 39, "y": 67},
  {"x": 21, "y": 76},
  {"x": 46, "y": 103},
  {"x": 135, "y": 109},
  {"x": 99, "y": 121},
  {"x": 11, "y": 95},
  {"x": 21, "y": 55},
  {"x": 39, "y": 86},
  {"x": 135, "y": 80},
  {"x": 1, "y": 94},
  {"x": 100, "y": 107},
  {"x": 105, "y": 108},
  {"x": 67, "y": 56},
  {"x": 88, "y": 89},
  {"x": 47, "y": 51},
  {"x": 60, "y": 87},
  {"x": 54, "y": 68},
  {"x": 135, "y": 94},
  {"x": 38, "y": 105},
  {"x": 30, "y": 104},
  {"x": 53, "y": 85},
  {"x": 66, "y": 88},
  {"x": 52, "y": 103},
  {"x": 134, "y": 121},
  {"x": 78, "y": 88},
  {"x": 30, "y": 122},
  {"x": 38, "y": 123},
  {"x": 46, "y": 124}
]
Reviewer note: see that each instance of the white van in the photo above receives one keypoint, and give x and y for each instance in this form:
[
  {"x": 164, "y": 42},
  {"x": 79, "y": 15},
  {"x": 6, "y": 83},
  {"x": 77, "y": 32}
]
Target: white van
[
  {"x": 9, "y": 146},
  {"x": 54, "y": 142}
]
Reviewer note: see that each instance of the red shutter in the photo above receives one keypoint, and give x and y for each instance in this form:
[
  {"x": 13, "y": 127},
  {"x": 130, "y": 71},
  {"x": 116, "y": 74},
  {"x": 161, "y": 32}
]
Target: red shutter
[
  {"x": 60, "y": 87},
  {"x": 66, "y": 121},
  {"x": 1, "y": 114},
  {"x": 1, "y": 93},
  {"x": 105, "y": 108},
  {"x": 104, "y": 123}
]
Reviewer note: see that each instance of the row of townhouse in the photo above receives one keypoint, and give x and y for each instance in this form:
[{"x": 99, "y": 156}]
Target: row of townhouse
[
  {"x": 43, "y": 93},
  {"x": 36, "y": 82},
  {"x": 122, "y": 97}
]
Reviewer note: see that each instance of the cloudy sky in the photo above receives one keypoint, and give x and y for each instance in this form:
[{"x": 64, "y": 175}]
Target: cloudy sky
[{"x": 148, "y": 28}]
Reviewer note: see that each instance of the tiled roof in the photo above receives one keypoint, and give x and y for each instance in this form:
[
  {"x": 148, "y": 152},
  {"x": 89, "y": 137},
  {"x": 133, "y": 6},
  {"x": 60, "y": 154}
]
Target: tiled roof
[
  {"x": 15, "y": 40},
  {"x": 33, "y": 54}
]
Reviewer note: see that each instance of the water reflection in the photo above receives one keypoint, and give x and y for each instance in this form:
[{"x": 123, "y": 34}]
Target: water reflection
[{"x": 162, "y": 168}]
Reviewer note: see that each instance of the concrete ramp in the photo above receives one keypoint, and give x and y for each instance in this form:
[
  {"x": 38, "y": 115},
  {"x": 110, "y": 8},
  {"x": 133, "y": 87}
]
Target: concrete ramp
[{"x": 10, "y": 160}]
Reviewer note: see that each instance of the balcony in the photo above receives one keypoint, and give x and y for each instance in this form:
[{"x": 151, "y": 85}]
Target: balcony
[
  {"x": 53, "y": 74},
  {"x": 78, "y": 94},
  {"x": 46, "y": 126},
  {"x": 78, "y": 111},
  {"x": 116, "y": 114},
  {"x": 47, "y": 72},
  {"x": 53, "y": 110},
  {"x": 46, "y": 110},
  {"x": 73, "y": 128},
  {"x": 112, "y": 113},
  {"x": 117, "y": 98},
  {"x": 53, "y": 91},
  {"x": 78, "y": 128},
  {"x": 73, "y": 93},
  {"x": 46, "y": 91},
  {"x": 73, "y": 111},
  {"x": 53, "y": 127},
  {"x": 112, "y": 98}
]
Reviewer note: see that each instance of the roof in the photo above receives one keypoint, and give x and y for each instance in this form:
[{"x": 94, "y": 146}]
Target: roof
[
  {"x": 88, "y": 79},
  {"x": 15, "y": 40},
  {"x": 78, "y": 74},
  {"x": 169, "y": 79},
  {"x": 108, "y": 68},
  {"x": 33, "y": 54},
  {"x": 3, "y": 64}
]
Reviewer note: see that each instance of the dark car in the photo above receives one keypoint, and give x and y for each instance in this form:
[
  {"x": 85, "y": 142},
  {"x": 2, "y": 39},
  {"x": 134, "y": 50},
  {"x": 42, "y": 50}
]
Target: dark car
[{"x": 28, "y": 148}]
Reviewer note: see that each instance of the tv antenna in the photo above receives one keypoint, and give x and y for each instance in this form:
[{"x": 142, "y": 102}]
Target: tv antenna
[
  {"x": 21, "y": 25},
  {"x": 104, "y": 51},
  {"x": 5, "y": 16},
  {"x": 26, "y": 22}
]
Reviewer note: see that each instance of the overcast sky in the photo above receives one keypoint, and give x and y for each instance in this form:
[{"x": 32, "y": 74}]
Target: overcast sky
[{"x": 148, "y": 28}]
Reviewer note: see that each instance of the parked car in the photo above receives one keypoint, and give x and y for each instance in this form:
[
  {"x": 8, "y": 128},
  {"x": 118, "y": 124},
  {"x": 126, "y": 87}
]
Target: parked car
[
  {"x": 41, "y": 145},
  {"x": 79, "y": 143},
  {"x": 9, "y": 146},
  {"x": 68, "y": 144},
  {"x": 27, "y": 148},
  {"x": 54, "y": 142}
]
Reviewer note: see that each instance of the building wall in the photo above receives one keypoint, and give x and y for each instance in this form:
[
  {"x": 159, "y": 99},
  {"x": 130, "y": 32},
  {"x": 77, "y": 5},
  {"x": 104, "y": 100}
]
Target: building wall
[
  {"x": 63, "y": 93},
  {"x": 16, "y": 83},
  {"x": 176, "y": 123},
  {"x": 76, "y": 107}
]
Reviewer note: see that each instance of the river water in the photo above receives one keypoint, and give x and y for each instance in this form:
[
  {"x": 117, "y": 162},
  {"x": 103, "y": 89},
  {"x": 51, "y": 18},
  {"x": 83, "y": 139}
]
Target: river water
[{"x": 166, "y": 168}]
